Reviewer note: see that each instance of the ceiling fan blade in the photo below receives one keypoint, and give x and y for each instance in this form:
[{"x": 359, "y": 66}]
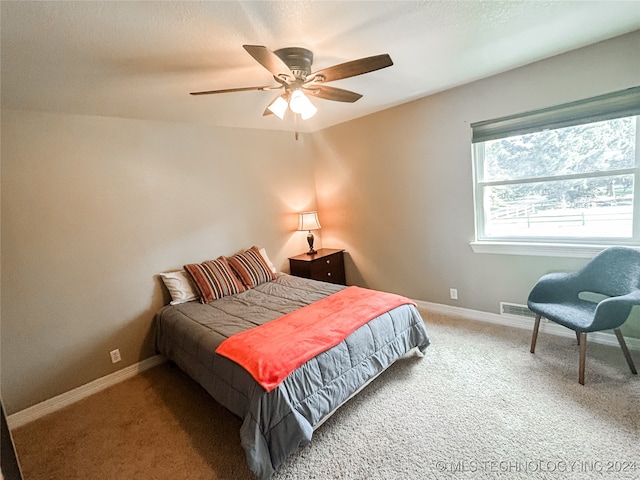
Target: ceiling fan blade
[
  {"x": 331, "y": 93},
  {"x": 352, "y": 68},
  {"x": 270, "y": 61},
  {"x": 230, "y": 90}
]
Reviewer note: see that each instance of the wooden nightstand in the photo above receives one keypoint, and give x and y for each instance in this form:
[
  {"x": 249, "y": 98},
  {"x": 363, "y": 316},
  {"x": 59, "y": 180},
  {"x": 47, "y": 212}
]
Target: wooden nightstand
[{"x": 326, "y": 265}]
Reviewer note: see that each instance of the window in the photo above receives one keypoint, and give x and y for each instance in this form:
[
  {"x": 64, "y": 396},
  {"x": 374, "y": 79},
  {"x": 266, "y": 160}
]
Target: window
[{"x": 565, "y": 174}]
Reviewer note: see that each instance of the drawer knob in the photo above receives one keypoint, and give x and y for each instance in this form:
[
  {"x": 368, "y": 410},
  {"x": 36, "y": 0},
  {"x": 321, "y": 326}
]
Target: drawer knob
[
  {"x": 329, "y": 274},
  {"x": 328, "y": 261}
]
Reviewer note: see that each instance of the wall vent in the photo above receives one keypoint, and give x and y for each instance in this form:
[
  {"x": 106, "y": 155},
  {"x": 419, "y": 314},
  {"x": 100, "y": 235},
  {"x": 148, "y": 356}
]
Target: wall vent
[{"x": 516, "y": 310}]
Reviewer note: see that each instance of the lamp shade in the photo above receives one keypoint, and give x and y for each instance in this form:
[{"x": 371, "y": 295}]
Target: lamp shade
[
  {"x": 300, "y": 103},
  {"x": 308, "y": 221},
  {"x": 278, "y": 107},
  {"x": 309, "y": 111}
]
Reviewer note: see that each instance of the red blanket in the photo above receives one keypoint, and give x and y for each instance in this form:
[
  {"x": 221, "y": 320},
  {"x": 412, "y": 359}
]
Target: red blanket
[{"x": 272, "y": 351}]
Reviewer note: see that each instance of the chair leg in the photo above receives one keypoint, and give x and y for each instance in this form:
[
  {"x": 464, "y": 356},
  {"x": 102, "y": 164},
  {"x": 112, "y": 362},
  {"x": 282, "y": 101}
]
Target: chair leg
[
  {"x": 582, "y": 340},
  {"x": 536, "y": 326},
  {"x": 578, "y": 337},
  {"x": 625, "y": 350}
]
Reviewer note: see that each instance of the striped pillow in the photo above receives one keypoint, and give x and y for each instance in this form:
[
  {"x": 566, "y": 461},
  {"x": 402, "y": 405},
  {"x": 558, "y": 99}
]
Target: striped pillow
[
  {"x": 214, "y": 279},
  {"x": 251, "y": 268}
]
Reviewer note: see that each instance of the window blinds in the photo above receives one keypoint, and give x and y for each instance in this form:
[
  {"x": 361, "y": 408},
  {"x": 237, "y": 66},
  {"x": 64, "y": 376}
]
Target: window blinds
[{"x": 624, "y": 103}]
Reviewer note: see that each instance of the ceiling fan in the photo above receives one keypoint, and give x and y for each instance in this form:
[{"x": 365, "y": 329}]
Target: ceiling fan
[{"x": 291, "y": 69}]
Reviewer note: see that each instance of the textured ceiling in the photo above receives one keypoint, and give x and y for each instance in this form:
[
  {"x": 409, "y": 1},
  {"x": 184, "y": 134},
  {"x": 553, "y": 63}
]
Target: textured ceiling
[{"x": 141, "y": 59}]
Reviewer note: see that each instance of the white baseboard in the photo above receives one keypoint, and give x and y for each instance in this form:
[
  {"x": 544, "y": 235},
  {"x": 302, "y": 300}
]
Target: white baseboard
[
  {"x": 60, "y": 401},
  {"x": 524, "y": 323}
]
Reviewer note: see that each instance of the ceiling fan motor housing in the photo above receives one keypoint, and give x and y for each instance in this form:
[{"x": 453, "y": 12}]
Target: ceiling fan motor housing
[{"x": 298, "y": 60}]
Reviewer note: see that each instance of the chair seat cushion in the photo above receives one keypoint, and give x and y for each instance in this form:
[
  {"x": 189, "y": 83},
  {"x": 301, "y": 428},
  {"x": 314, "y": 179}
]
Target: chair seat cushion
[{"x": 577, "y": 315}]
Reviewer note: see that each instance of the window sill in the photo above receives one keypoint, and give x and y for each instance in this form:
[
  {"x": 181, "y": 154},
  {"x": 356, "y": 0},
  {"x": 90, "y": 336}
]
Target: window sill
[{"x": 538, "y": 249}]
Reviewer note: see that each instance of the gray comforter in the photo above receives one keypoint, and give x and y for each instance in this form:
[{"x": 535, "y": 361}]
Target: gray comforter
[{"x": 277, "y": 423}]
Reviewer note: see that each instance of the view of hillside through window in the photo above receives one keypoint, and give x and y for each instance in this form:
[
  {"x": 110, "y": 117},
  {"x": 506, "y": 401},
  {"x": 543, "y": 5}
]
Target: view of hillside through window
[{"x": 568, "y": 182}]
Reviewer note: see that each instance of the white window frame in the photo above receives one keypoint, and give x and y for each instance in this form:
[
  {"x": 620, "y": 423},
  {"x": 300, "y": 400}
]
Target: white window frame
[{"x": 605, "y": 107}]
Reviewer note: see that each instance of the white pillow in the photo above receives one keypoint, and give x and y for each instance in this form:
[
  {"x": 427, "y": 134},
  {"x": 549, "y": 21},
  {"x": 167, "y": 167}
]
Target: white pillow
[
  {"x": 263, "y": 253},
  {"x": 180, "y": 286}
]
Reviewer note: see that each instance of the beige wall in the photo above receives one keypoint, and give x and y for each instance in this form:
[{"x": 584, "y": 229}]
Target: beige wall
[
  {"x": 395, "y": 188},
  {"x": 93, "y": 208}
]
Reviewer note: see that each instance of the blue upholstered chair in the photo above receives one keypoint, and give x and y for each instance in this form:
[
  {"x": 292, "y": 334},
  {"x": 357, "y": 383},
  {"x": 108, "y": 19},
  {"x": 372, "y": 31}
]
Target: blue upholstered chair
[{"x": 566, "y": 298}]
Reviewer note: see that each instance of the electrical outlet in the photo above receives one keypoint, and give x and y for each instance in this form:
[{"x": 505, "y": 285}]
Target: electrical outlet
[
  {"x": 454, "y": 293},
  {"x": 115, "y": 356}
]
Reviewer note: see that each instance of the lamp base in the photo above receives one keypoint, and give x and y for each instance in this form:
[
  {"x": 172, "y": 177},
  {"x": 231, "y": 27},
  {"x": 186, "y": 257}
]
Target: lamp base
[{"x": 310, "y": 242}]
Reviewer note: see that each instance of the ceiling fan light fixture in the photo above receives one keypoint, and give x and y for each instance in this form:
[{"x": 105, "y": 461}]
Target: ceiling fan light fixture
[
  {"x": 278, "y": 107},
  {"x": 299, "y": 103}
]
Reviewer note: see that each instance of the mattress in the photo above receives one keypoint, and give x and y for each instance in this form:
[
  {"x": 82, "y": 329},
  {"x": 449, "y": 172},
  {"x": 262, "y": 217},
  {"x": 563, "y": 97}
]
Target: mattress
[{"x": 276, "y": 423}]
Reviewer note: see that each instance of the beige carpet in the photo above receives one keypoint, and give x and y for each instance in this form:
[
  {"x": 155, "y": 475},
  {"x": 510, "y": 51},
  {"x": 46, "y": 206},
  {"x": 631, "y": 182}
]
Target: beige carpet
[{"x": 479, "y": 405}]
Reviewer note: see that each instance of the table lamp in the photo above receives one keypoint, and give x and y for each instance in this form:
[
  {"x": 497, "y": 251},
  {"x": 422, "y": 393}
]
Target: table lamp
[{"x": 309, "y": 221}]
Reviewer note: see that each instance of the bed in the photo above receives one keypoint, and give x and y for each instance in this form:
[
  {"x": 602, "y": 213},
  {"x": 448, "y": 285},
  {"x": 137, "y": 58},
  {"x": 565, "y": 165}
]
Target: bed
[{"x": 277, "y": 422}]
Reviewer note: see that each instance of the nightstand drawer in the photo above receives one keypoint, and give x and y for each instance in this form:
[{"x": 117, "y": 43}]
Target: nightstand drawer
[
  {"x": 329, "y": 269},
  {"x": 327, "y": 265}
]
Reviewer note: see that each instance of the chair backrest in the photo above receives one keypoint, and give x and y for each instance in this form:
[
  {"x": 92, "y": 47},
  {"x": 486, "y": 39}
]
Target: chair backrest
[{"x": 613, "y": 272}]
